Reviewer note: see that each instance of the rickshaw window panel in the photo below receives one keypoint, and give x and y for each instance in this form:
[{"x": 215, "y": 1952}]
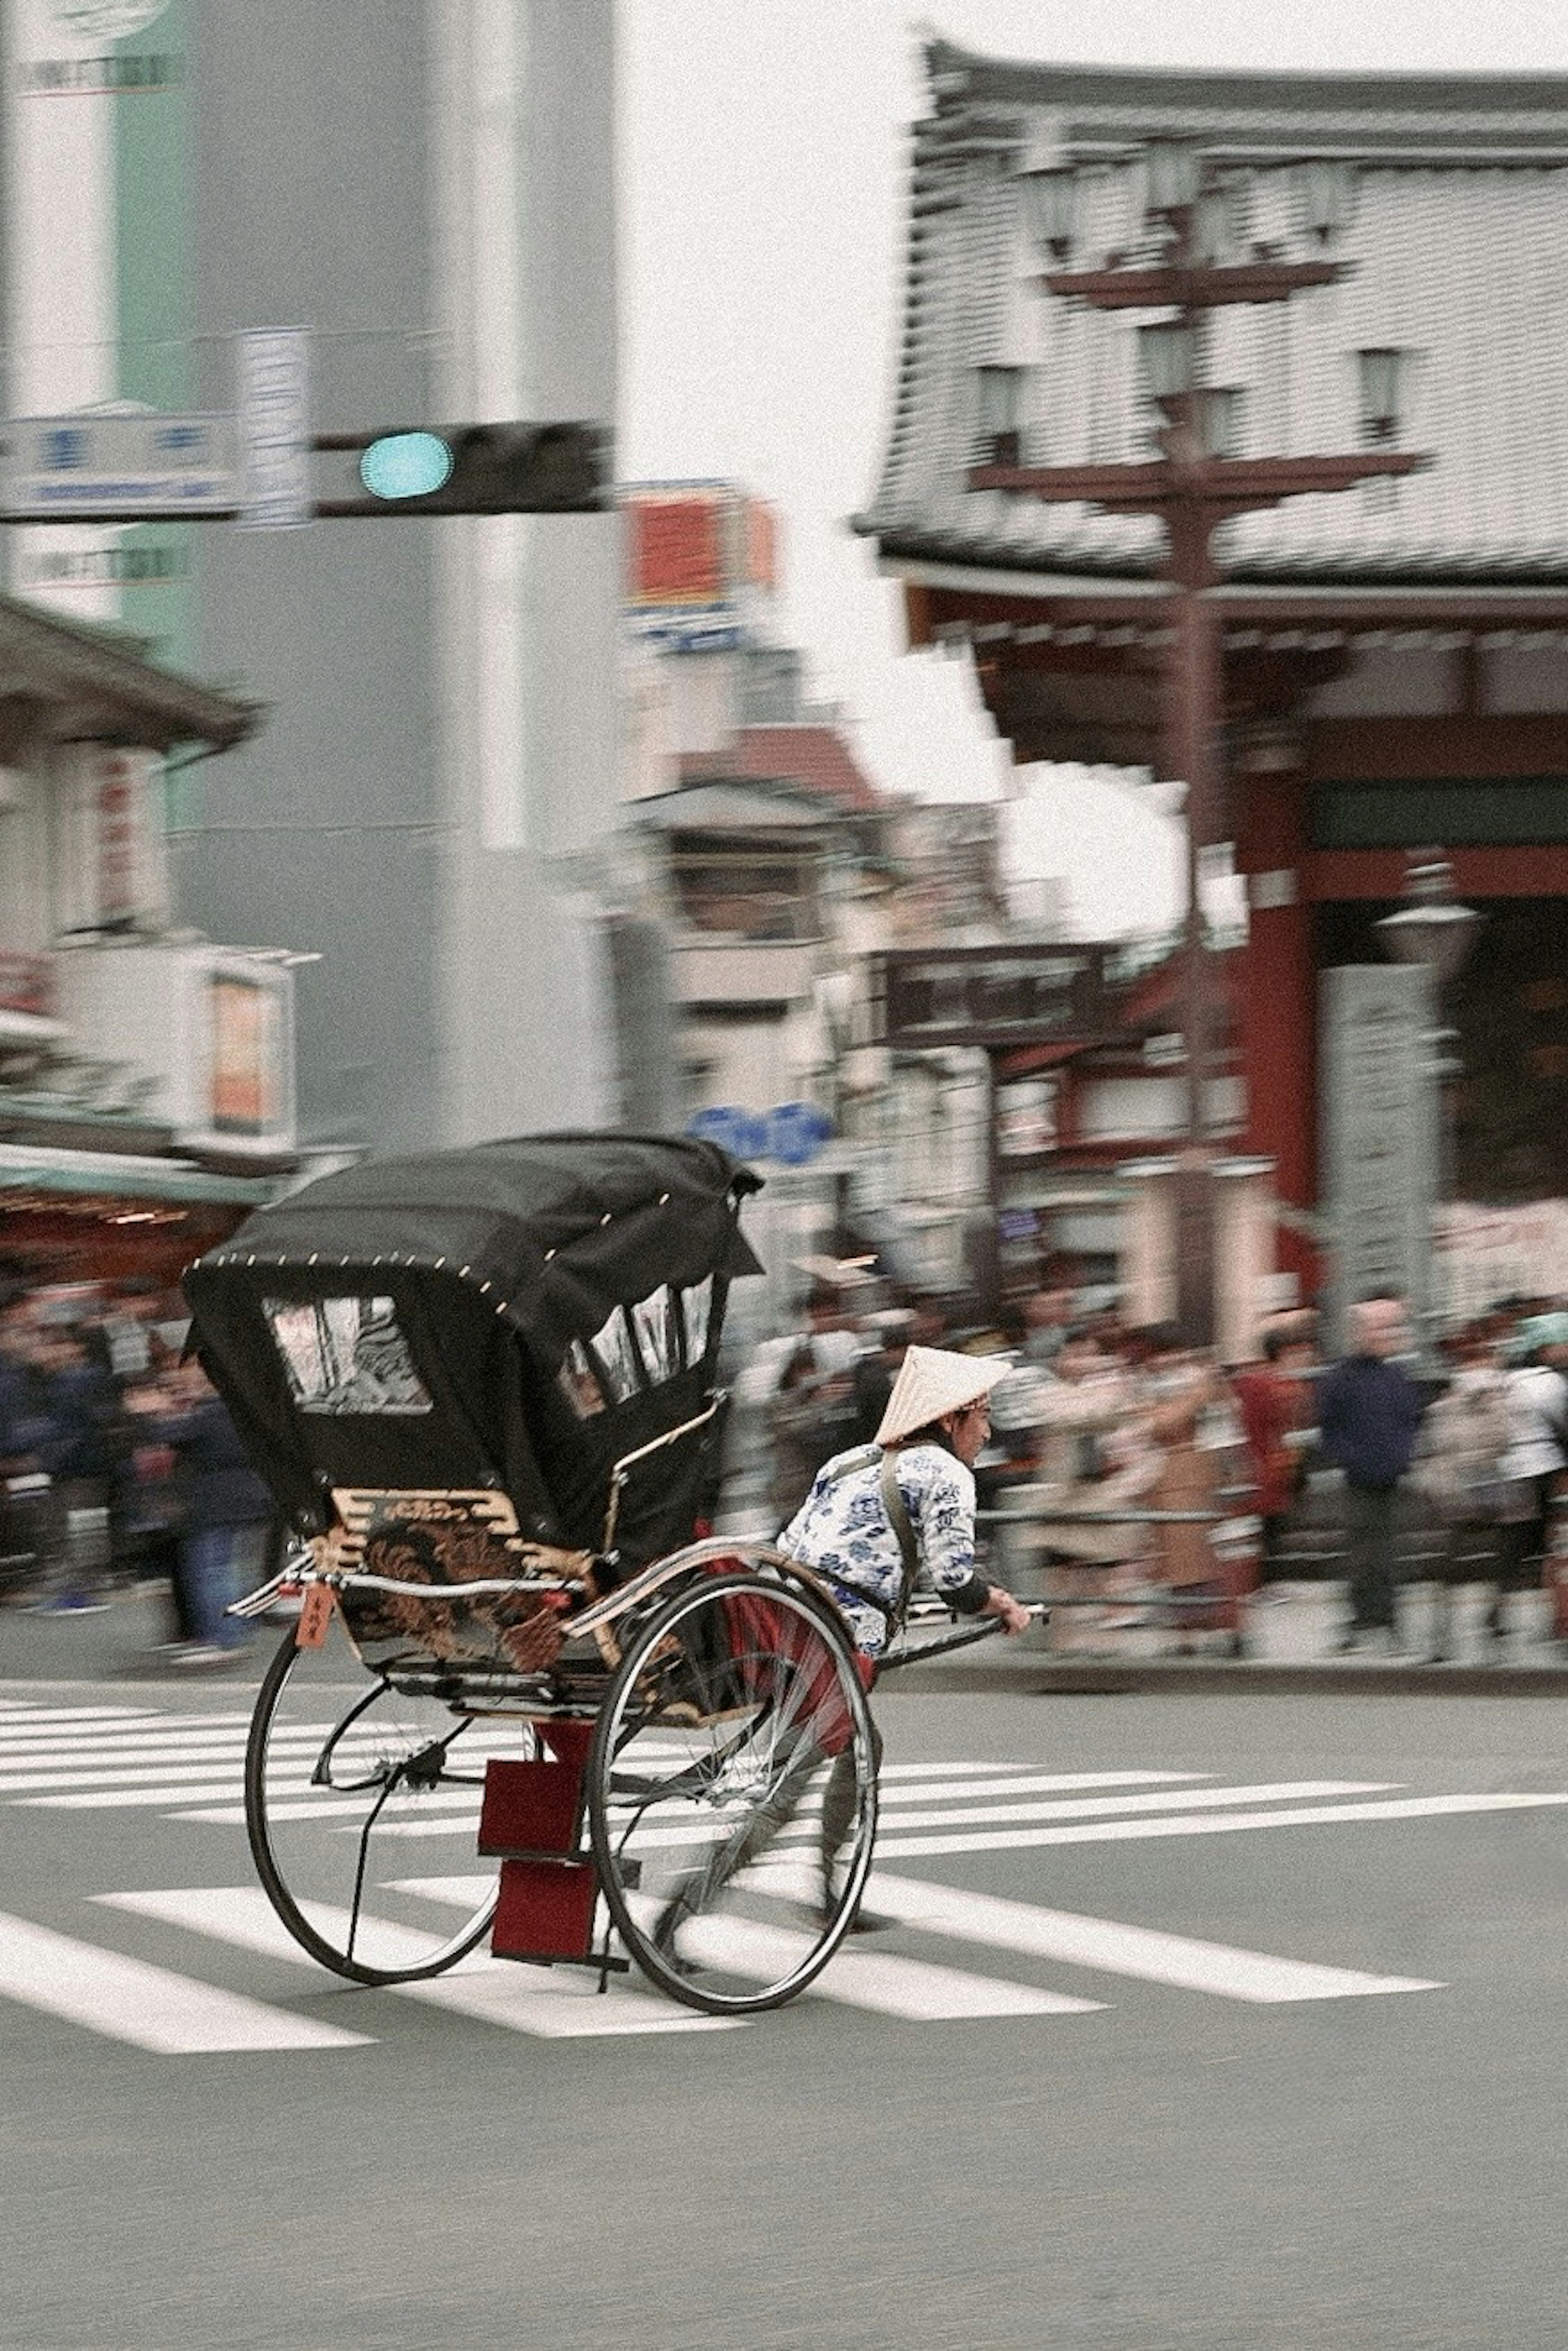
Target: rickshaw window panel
[
  {"x": 578, "y": 1382},
  {"x": 346, "y": 1355},
  {"x": 654, "y": 1318},
  {"x": 696, "y": 1309},
  {"x": 615, "y": 1355}
]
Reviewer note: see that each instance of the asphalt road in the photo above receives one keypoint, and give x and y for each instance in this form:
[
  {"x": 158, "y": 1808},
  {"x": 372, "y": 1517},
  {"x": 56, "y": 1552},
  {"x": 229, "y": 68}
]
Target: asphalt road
[{"x": 1275, "y": 2059}]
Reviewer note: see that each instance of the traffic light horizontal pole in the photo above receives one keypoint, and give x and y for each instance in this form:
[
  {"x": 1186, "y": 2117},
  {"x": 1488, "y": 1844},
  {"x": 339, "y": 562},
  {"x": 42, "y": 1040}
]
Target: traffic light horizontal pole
[
  {"x": 1193, "y": 286},
  {"x": 322, "y": 511},
  {"x": 1236, "y": 484}
]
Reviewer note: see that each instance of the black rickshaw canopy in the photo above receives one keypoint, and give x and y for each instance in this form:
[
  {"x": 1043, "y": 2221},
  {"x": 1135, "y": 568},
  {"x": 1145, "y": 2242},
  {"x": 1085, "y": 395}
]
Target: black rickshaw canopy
[{"x": 520, "y": 1313}]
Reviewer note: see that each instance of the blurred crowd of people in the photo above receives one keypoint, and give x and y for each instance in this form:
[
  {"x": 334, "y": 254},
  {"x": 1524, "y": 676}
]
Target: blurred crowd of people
[
  {"x": 1151, "y": 1488},
  {"x": 120, "y": 1466}
]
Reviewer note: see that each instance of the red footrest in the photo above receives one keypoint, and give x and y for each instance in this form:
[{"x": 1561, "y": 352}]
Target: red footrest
[
  {"x": 531, "y": 1818},
  {"x": 546, "y": 1910}
]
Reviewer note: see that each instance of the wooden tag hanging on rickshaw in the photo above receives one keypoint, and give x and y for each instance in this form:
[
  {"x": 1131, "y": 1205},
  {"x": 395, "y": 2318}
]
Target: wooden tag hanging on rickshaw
[{"x": 315, "y": 1620}]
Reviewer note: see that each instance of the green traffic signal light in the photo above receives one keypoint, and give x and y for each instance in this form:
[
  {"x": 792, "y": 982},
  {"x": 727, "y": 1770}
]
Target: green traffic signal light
[{"x": 406, "y": 465}]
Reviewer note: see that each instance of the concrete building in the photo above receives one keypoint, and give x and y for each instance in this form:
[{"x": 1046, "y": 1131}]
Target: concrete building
[{"x": 427, "y": 186}]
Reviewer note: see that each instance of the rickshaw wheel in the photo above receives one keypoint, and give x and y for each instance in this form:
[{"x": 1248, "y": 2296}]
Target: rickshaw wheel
[
  {"x": 357, "y": 1804},
  {"x": 736, "y": 1709}
]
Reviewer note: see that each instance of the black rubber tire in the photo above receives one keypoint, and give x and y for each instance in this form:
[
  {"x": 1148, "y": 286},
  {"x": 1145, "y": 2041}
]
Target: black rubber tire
[
  {"x": 772, "y": 1716},
  {"x": 336, "y": 1949}
]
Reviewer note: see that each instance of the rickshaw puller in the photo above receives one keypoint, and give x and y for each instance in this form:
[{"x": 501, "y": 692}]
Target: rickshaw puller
[{"x": 878, "y": 1513}]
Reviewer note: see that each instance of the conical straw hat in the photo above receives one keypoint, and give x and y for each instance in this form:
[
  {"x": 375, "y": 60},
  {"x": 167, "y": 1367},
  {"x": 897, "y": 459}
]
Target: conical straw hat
[{"x": 933, "y": 1381}]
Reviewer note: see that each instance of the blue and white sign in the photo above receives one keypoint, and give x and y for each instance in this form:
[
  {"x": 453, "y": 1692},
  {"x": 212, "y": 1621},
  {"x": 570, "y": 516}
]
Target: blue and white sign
[
  {"x": 797, "y": 1132},
  {"x": 57, "y": 467},
  {"x": 273, "y": 387},
  {"x": 742, "y": 1133},
  {"x": 791, "y": 1132}
]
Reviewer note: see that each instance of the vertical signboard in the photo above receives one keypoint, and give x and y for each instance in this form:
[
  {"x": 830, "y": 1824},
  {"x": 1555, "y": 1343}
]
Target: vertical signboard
[
  {"x": 273, "y": 402},
  {"x": 249, "y": 1046},
  {"x": 1380, "y": 1134}
]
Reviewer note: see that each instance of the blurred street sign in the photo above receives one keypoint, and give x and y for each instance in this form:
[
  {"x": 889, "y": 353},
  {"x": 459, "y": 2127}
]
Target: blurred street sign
[
  {"x": 794, "y": 1133},
  {"x": 273, "y": 397},
  {"x": 992, "y": 997},
  {"x": 797, "y": 1132},
  {"x": 56, "y": 467},
  {"x": 742, "y": 1133}
]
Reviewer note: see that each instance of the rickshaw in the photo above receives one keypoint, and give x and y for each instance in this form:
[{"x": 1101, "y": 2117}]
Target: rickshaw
[{"x": 482, "y": 1385}]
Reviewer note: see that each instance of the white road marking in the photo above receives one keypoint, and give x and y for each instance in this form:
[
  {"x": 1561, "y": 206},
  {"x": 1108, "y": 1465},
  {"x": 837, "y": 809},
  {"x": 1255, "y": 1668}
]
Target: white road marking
[
  {"x": 1117, "y": 1950},
  {"x": 15, "y": 1754},
  {"x": 176, "y": 1791},
  {"x": 667, "y": 1828},
  {"x": 92, "y": 1715},
  {"x": 1079, "y": 1808},
  {"x": 136, "y": 1775},
  {"x": 150, "y": 2007},
  {"x": 1180, "y": 1825},
  {"x": 550, "y": 2006},
  {"x": 317, "y": 1808},
  {"x": 1024, "y": 1783},
  {"x": 889, "y": 1985}
]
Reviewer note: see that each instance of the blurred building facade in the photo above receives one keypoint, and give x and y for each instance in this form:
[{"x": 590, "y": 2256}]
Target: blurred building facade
[
  {"x": 429, "y": 804},
  {"x": 146, "y": 1072},
  {"x": 1394, "y": 658}
]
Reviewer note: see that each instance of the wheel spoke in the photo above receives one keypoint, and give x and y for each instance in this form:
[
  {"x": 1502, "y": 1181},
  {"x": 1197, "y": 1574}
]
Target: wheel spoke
[
  {"x": 699, "y": 1821},
  {"x": 358, "y": 1838}
]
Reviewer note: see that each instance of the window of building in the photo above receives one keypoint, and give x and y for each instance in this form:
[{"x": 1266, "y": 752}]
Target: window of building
[
  {"x": 745, "y": 894},
  {"x": 1461, "y": 812}
]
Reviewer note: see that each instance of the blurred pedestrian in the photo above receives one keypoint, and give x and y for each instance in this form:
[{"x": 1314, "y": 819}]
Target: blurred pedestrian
[
  {"x": 1088, "y": 1465},
  {"x": 1465, "y": 1440},
  {"x": 227, "y": 1515},
  {"x": 82, "y": 1437},
  {"x": 1278, "y": 1406},
  {"x": 1177, "y": 1390},
  {"x": 1369, "y": 1414},
  {"x": 812, "y": 1412},
  {"x": 1536, "y": 1457}
]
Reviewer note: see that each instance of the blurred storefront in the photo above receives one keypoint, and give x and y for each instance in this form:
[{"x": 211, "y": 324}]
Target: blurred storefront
[{"x": 146, "y": 1073}]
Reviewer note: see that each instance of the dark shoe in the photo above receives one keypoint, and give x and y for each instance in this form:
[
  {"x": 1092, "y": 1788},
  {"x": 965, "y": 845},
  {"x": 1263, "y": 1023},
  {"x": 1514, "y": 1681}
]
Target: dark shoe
[{"x": 865, "y": 1922}]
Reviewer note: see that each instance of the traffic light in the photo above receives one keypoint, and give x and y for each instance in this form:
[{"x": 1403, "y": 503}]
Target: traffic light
[{"x": 555, "y": 468}]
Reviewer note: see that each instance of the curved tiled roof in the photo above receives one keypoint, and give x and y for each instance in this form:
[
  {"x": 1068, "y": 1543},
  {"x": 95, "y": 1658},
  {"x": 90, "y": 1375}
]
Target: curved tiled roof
[
  {"x": 815, "y": 757},
  {"x": 1456, "y": 244}
]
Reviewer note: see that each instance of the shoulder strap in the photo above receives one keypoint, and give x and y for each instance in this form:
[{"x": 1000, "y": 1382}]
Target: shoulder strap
[
  {"x": 897, "y": 1511},
  {"x": 861, "y": 1458}
]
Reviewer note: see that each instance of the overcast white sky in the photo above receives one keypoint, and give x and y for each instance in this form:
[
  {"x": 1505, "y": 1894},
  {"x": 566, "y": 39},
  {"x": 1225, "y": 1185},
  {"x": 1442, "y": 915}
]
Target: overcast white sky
[{"x": 763, "y": 166}]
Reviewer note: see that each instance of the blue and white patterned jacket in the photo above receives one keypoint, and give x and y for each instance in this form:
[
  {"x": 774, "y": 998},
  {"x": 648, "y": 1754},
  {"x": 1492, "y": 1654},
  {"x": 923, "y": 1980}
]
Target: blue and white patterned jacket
[{"x": 841, "y": 1531}]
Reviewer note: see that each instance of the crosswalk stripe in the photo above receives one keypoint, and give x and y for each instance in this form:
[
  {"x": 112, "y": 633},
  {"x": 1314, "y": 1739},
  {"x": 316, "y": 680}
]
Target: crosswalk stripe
[
  {"x": 148, "y": 2007},
  {"x": 1184, "y": 1824},
  {"x": 1160, "y": 1801},
  {"x": 172, "y": 1791},
  {"x": 492, "y": 1991},
  {"x": 129, "y": 1775},
  {"x": 1106, "y": 1945},
  {"x": 891, "y": 1986},
  {"x": 1028, "y": 1783},
  {"x": 92, "y": 1716},
  {"x": 911, "y": 1989},
  {"x": 179, "y": 1738},
  {"x": 321, "y": 1808},
  {"x": 685, "y": 1826}
]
